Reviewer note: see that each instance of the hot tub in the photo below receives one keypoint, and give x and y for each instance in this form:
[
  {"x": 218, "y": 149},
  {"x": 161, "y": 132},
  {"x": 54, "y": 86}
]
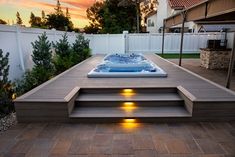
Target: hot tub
[{"x": 126, "y": 65}]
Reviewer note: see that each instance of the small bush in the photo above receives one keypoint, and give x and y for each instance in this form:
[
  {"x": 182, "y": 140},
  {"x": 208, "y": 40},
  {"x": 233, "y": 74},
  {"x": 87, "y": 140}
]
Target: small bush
[
  {"x": 81, "y": 49},
  {"x": 63, "y": 57},
  {"x": 6, "y": 88},
  {"x": 43, "y": 68}
]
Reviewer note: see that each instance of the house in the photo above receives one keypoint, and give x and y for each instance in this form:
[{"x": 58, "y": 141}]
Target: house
[
  {"x": 167, "y": 8},
  {"x": 152, "y": 22}
]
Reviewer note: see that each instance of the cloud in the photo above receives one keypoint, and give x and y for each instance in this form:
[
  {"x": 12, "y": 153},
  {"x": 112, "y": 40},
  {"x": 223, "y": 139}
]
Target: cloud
[
  {"x": 77, "y": 8},
  {"x": 84, "y": 4}
]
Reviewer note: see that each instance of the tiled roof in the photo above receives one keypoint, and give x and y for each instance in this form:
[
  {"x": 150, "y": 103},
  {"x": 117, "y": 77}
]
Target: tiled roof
[{"x": 182, "y": 4}]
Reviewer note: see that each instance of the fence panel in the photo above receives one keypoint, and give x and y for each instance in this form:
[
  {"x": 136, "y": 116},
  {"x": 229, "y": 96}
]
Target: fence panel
[{"x": 17, "y": 41}]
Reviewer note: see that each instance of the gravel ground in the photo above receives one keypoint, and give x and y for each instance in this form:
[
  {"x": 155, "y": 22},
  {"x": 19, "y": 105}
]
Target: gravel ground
[{"x": 7, "y": 121}]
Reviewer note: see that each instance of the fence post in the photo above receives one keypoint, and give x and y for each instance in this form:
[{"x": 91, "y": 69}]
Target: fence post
[
  {"x": 18, "y": 41},
  {"x": 126, "y": 43},
  {"x": 54, "y": 34},
  {"x": 107, "y": 41},
  {"x": 149, "y": 41}
]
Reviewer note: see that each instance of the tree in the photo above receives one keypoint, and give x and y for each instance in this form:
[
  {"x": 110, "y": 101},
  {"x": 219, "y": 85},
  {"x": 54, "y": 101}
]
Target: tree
[
  {"x": 3, "y": 22},
  {"x": 58, "y": 9},
  {"x": 58, "y": 20},
  {"x": 43, "y": 18},
  {"x": 35, "y": 21},
  {"x": 18, "y": 19},
  {"x": 81, "y": 50},
  {"x": 43, "y": 68},
  {"x": 32, "y": 19},
  {"x": 42, "y": 58},
  {"x": 6, "y": 90},
  {"x": 109, "y": 17},
  {"x": 135, "y": 3},
  {"x": 67, "y": 13},
  {"x": 63, "y": 57},
  {"x": 94, "y": 14},
  {"x": 91, "y": 29}
]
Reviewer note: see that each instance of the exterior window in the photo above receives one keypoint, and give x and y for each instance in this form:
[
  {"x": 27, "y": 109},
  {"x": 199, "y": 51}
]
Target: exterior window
[{"x": 150, "y": 23}]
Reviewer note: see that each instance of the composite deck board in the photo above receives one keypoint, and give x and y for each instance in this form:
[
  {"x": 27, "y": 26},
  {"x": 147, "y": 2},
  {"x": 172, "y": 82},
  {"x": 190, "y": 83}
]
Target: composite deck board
[
  {"x": 77, "y": 76},
  {"x": 100, "y": 112},
  {"x": 210, "y": 101}
]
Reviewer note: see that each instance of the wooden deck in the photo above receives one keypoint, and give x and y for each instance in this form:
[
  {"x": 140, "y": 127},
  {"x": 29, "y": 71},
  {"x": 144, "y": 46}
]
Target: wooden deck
[{"x": 54, "y": 100}]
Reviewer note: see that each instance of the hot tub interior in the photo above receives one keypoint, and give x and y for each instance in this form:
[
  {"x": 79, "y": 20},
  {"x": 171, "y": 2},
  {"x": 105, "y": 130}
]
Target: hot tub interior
[{"x": 126, "y": 65}]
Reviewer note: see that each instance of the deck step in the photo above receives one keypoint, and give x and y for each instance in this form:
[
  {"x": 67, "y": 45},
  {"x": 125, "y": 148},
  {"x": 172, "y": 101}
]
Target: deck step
[
  {"x": 135, "y": 97},
  {"x": 113, "y": 104},
  {"x": 140, "y": 99},
  {"x": 139, "y": 112}
]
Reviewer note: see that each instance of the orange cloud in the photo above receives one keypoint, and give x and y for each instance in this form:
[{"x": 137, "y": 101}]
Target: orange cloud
[
  {"x": 81, "y": 4},
  {"x": 77, "y": 8}
]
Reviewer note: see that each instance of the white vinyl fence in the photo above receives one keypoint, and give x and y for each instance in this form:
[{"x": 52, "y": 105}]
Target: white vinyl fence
[{"x": 17, "y": 40}]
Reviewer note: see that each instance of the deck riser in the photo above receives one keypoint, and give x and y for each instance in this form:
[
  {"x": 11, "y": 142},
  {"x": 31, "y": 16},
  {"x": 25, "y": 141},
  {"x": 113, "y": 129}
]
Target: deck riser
[
  {"x": 122, "y": 103},
  {"x": 154, "y": 120},
  {"x": 120, "y": 90}
]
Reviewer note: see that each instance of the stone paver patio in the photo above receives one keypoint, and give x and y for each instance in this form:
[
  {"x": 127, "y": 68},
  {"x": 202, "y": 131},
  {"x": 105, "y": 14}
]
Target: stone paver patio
[{"x": 119, "y": 140}]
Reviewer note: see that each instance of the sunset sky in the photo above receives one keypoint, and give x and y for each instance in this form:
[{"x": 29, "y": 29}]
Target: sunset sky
[{"x": 77, "y": 9}]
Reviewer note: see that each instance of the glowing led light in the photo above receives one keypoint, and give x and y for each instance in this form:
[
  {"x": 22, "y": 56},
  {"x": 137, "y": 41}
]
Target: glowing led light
[
  {"x": 128, "y": 106},
  {"x": 129, "y": 120},
  {"x": 129, "y": 124},
  {"x": 127, "y": 92}
]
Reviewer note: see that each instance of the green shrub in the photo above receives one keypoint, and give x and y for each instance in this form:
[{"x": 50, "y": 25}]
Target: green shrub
[
  {"x": 26, "y": 83},
  {"x": 43, "y": 68},
  {"x": 81, "y": 49},
  {"x": 63, "y": 58},
  {"x": 6, "y": 88}
]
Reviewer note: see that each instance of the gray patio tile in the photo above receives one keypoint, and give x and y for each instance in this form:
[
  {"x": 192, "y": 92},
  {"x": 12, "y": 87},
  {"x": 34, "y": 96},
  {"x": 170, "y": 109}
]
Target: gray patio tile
[
  {"x": 6, "y": 145},
  {"x": 160, "y": 147},
  {"x": 123, "y": 156},
  {"x": 122, "y": 147},
  {"x": 80, "y": 147},
  {"x": 13, "y": 155},
  {"x": 229, "y": 147},
  {"x": 142, "y": 142},
  {"x": 31, "y": 131},
  {"x": 221, "y": 135},
  {"x": 193, "y": 146},
  {"x": 66, "y": 132},
  {"x": 22, "y": 147},
  {"x": 145, "y": 153},
  {"x": 102, "y": 140},
  {"x": 209, "y": 146},
  {"x": 49, "y": 131},
  {"x": 100, "y": 150},
  {"x": 123, "y": 137},
  {"x": 159, "y": 128},
  {"x": 177, "y": 146},
  {"x": 40, "y": 148},
  {"x": 60, "y": 148},
  {"x": 197, "y": 131},
  {"x": 104, "y": 129}
]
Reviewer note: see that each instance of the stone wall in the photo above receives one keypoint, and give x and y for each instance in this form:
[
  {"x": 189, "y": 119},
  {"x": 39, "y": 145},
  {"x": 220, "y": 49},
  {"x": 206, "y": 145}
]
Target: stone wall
[{"x": 215, "y": 59}]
